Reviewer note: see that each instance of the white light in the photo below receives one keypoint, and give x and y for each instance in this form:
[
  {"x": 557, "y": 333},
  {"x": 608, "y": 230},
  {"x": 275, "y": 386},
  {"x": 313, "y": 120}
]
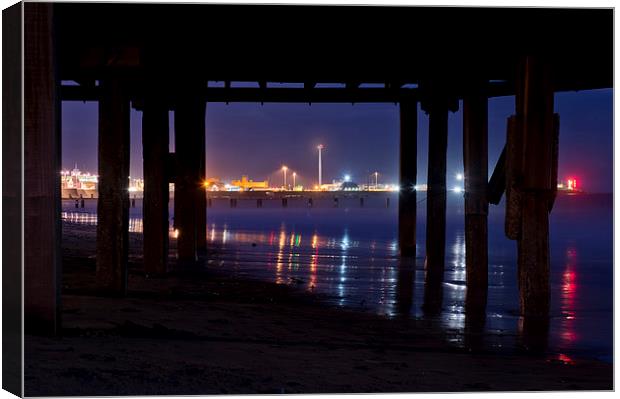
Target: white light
[
  {"x": 457, "y": 189},
  {"x": 347, "y": 177},
  {"x": 459, "y": 176}
]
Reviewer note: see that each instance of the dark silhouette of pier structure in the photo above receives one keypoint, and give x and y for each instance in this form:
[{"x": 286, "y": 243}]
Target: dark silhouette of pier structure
[{"x": 159, "y": 58}]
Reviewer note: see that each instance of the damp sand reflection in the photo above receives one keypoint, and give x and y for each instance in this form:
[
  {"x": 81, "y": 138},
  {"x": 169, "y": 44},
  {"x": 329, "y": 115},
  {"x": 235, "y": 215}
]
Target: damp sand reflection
[{"x": 357, "y": 266}]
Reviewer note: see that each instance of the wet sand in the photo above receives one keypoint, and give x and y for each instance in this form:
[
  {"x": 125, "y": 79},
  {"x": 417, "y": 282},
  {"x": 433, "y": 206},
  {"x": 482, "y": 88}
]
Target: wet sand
[{"x": 211, "y": 332}]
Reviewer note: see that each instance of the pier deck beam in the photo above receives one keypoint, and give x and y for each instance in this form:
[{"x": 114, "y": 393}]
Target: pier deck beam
[
  {"x": 113, "y": 203},
  {"x": 475, "y": 160},
  {"x": 534, "y": 109},
  {"x": 189, "y": 122},
  {"x": 42, "y": 262},
  {"x": 408, "y": 178},
  {"x": 155, "y": 142}
]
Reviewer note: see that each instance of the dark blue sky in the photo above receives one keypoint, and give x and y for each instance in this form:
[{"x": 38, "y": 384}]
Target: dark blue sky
[{"x": 359, "y": 139}]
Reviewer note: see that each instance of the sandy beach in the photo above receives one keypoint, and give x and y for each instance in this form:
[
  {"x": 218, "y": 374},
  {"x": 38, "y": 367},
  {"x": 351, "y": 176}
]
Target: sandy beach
[{"x": 210, "y": 332}]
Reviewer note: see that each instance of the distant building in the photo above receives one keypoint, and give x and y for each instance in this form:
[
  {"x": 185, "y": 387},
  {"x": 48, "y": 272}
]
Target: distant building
[
  {"x": 75, "y": 179},
  {"x": 349, "y": 186},
  {"x": 75, "y": 184},
  {"x": 248, "y": 185},
  {"x": 214, "y": 184}
]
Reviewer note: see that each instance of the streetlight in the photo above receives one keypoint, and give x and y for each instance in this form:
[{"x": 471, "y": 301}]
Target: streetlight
[
  {"x": 347, "y": 178},
  {"x": 284, "y": 169},
  {"x": 376, "y": 180},
  {"x": 294, "y": 175},
  {"x": 459, "y": 176},
  {"x": 320, "y": 148}
]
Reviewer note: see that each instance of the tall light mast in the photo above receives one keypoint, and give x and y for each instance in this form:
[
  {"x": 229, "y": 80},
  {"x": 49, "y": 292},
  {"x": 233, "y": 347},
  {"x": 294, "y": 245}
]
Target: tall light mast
[
  {"x": 320, "y": 147},
  {"x": 284, "y": 169}
]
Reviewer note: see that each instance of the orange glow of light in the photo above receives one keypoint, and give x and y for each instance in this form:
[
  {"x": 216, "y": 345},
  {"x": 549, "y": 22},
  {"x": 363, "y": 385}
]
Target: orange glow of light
[
  {"x": 314, "y": 258},
  {"x": 282, "y": 239}
]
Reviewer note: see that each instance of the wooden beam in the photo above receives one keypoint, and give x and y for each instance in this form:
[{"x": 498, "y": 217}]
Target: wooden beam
[
  {"x": 113, "y": 203},
  {"x": 475, "y": 161},
  {"x": 309, "y": 93},
  {"x": 534, "y": 110},
  {"x": 189, "y": 122},
  {"x": 13, "y": 137},
  {"x": 497, "y": 183},
  {"x": 42, "y": 229},
  {"x": 407, "y": 202},
  {"x": 201, "y": 202},
  {"x": 436, "y": 191},
  {"x": 155, "y": 137},
  {"x": 405, "y": 284}
]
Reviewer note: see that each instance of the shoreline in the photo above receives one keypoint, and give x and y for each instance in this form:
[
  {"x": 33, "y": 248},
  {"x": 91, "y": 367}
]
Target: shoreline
[{"x": 211, "y": 332}]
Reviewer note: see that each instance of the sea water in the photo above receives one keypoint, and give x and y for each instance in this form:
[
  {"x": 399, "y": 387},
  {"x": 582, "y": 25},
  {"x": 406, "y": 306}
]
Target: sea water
[{"x": 349, "y": 254}]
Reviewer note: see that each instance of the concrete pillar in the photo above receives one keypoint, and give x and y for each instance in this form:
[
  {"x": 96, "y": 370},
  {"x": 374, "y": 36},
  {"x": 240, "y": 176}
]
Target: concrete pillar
[
  {"x": 189, "y": 122},
  {"x": 538, "y": 143},
  {"x": 42, "y": 229},
  {"x": 408, "y": 178},
  {"x": 155, "y": 204},
  {"x": 436, "y": 192},
  {"x": 113, "y": 203},
  {"x": 475, "y": 160}
]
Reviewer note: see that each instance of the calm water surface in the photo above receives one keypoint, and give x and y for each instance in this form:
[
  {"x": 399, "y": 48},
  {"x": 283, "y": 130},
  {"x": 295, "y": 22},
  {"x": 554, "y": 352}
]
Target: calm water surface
[{"x": 350, "y": 254}]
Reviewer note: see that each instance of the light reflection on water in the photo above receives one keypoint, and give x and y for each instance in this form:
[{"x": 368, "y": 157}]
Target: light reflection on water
[{"x": 352, "y": 256}]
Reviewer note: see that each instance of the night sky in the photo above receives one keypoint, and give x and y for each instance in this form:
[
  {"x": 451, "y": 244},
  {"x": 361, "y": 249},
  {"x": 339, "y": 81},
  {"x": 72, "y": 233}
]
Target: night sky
[{"x": 359, "y": 139}]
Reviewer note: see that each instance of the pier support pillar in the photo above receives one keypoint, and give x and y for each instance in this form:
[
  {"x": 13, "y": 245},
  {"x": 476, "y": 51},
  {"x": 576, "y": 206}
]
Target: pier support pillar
[
  {"x": 475, "y": 159},
  {"x": 189, "y": 122},
  {"x": 437, "y": 108},
  {"x": 405, "y": 287},
  {"x": 408, "y": 178},
  {"x": 155, "y": 142},
  {"x": 533, "y": 181},
  {"x": 436, "y": 191},
  {"x": 41, "y": 146},
  {"x": 113, "y": 203},
  {"x": 201, "y": 203}
]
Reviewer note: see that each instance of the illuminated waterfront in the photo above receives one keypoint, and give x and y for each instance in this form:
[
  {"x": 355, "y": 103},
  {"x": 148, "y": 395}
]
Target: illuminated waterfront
[{"x": 350, "y": 254}]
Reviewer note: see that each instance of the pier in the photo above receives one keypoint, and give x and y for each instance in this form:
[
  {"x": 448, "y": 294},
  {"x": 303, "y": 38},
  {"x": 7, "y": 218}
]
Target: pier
[{"x": 160, "y": 58}]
